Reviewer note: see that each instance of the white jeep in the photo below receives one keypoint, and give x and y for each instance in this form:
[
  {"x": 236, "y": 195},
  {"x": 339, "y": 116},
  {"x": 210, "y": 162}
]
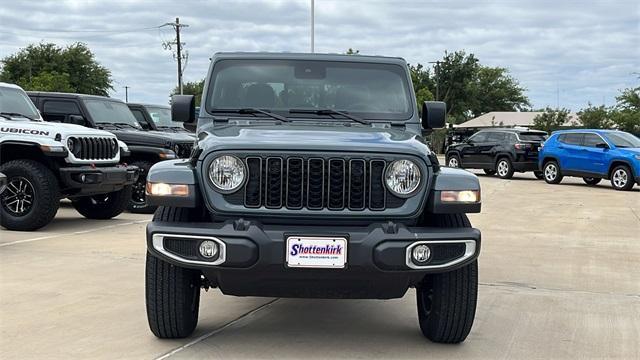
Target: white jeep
[{"x": 45, "y": 162}]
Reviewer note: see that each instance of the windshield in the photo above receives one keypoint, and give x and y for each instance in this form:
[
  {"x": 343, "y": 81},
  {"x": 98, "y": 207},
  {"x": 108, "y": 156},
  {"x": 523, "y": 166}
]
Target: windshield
[
  {"x": 162, "y": 116},
  {"x": 106, "y": 111},
  {"x": 16, "y": 101},
  {"x": 532, "y": 136},
  {"x": 623, "y": 139},
  {"x": 367, "y": 90}
]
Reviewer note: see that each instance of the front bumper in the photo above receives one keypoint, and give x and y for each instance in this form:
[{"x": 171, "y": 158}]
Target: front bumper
[
  {"x": 378, "y": 263},
  {"x": 89, "y": 180}
]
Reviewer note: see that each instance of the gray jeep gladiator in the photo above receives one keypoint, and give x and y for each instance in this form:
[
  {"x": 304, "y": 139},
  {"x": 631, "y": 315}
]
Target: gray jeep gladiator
[{"x": 311, "y": 178}]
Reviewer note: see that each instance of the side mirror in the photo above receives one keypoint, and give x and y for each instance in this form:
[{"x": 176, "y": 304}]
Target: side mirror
[
  {"x": 602, "y": 145},
  {"x": 77, "y": 119},
  {"x": 183, "y": 108},
  {"x": 434, "y": 114}
]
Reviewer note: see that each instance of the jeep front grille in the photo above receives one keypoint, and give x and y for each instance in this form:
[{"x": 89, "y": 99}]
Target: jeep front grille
[
  {"x": 314, "y": 183},
  {"x": 184, "y": 150},
  {"x": 94, "y": 148}
]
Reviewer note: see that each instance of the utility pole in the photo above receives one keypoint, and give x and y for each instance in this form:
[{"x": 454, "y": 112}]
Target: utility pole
[
  {"x": 437, "y": 72},
  {"x": 178, "y": 55},
  {"x": 126, "y": 93},
  {"x": 312, "y": 26}
]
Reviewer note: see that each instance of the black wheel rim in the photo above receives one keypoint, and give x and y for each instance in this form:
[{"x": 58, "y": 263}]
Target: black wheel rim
[
  {"x": 138, "y": 196},
  {"x": 18, "y": 197}
]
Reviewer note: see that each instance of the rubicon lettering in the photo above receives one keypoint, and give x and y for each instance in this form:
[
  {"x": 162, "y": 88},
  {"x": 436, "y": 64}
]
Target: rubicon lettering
[
  {"x": 23, "y": 131},
  {"x": 316, "y": 250}
]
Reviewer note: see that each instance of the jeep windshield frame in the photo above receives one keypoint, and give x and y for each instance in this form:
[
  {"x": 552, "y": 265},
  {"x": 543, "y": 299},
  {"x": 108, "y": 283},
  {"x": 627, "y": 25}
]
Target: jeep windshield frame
[
  {"x": 14, "y": 103},
  {"x": 104, "y": 111},
  {"x": 372, "y": 91}
]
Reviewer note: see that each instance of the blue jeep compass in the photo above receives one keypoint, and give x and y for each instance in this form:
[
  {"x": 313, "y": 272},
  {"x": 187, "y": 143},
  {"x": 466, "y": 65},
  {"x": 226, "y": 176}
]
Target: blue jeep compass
[{"x": 593, "y": 155}]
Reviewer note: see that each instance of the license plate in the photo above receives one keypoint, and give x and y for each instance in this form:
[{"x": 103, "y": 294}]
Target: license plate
[{"x": 316, "y": 252}]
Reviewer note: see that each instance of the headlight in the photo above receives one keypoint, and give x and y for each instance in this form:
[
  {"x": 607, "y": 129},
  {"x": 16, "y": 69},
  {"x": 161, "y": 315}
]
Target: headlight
[
  {"x": 402, "y": 177},
  {"x": 227, "y": 173},
  {"x": 71, "y": 144}
]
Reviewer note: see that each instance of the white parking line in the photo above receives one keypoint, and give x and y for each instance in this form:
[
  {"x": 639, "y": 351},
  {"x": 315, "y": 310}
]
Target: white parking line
[
  {"x": 73, "y": 233},
  {"x": 216, "y": 331}
]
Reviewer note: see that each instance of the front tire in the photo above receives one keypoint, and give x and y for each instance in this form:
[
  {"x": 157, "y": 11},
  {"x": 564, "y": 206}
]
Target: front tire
[
  {"x": 447, "y": 302},
  {"x": 454, "y": 161},
  {"x": 591, "y": 181},
  {"x": 103, "y": 206},
  {"x": 504, "y": 168},
  {"x": 172, "y": 292},
  {"x": 552, "y": 173},
  {"x": 31, "y": 198},
  {"x": 622, "y": 178},
  {"x": 138, "y": 203}
]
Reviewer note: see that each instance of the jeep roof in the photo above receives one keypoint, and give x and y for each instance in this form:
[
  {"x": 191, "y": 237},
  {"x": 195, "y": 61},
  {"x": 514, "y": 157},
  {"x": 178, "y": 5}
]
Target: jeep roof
[{"x": 314, "y": 56}]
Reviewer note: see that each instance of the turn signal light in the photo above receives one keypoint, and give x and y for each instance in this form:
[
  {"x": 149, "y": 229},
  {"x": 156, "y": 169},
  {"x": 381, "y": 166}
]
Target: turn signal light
[
  {"x": 163, "y": 189},
  {"x": 460, "y": 196}
]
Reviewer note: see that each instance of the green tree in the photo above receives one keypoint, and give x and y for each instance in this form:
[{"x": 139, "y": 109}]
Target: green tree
[
  {"x": 48, "y": 67},
  {"x": 626, "y": 114},
  {"x": 551, "y": 119},
  {"x": 595, "y": 117},
  {"x": 422, "y": 83},
  {"x": 194, "y": 88},
  {"x": 493, "y": 89}
]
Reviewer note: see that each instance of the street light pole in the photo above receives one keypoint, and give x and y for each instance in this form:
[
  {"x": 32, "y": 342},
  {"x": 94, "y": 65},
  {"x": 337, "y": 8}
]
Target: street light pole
[
  {"x": 312, "y": 26},
  {"x": 126, "y": 93},
  {"x": 437, "y": 71}
]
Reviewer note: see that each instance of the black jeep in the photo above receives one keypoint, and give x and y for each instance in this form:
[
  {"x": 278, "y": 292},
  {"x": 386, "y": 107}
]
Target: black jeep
[
  {"x": 310, "y": 178},
  {"x": 146, "y": 147},
  {"x": 156, "y": 117},
  {"x": 498, "y": 151}
]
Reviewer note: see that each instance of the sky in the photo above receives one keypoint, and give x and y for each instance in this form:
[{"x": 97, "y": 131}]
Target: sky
[{"x": 566, "y": 53}]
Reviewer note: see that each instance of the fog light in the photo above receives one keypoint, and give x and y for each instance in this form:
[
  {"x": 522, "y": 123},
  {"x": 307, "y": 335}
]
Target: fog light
[
  {"x": 208, "y": 249},
  {"x": 421, "y": 254}
]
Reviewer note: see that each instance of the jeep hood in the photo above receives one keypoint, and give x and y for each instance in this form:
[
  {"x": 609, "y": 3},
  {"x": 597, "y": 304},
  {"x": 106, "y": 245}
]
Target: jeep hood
[
  {"x": 314, "y": 138},
  {"x": 150, "y": 138},
  {"x": 47, "y": 129}
]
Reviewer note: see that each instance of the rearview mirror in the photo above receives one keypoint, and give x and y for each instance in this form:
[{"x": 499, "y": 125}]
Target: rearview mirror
[
  {"x": 434, "y": 114},
  {"x": 77, "y": 119},
  {"x": 183, "y": 108},
  {"x": 602, "y": 145}
]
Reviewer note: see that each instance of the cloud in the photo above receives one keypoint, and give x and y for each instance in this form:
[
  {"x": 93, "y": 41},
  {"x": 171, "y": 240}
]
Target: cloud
[{"x": 583, "y": 51}]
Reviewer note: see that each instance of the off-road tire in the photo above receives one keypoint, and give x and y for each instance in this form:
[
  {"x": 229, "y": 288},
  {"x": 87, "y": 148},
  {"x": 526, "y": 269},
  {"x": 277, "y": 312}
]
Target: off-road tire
[
  {"x": 547, "y": 171},
  {"x": 591, "y": 181},
  {"x": 504, "y": 161},
  {"x": 539, "y": 175},
  {"x": 456, "y": 158},
  {"x": 104, "y": 206},
  {"x": 489, "y": 172},
  {"x": 447, "y": 302},
  {"x": 172, "y": 292},
  {"x": 46, "y": 195},
  {"x": 617, "y": 184},
  {"x": 135, "y": 206}
]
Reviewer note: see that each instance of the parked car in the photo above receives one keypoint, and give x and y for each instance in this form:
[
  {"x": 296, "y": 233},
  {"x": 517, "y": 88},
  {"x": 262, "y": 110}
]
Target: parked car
[
  {"x": 156, "y": 117},
  {"x": 498, "y": 151},
  {"x": 45, "y": 162},
  {"x": 592, "y": 155},
  {"x": 310, "y": 192},
  {"x": 146, "y": 147}
]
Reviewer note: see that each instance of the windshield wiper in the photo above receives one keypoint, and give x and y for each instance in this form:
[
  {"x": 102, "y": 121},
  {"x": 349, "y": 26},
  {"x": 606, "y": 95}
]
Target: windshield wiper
[
  {"x": 330, "y": 112},
  {"x": 252, "y": 111},
  {"x": 9, "y": 114},
  {"x": 116, "y": 125}
]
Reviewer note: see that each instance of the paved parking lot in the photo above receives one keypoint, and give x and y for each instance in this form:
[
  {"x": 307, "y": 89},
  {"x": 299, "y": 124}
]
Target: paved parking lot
[{"x": 559, "y": 279}]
